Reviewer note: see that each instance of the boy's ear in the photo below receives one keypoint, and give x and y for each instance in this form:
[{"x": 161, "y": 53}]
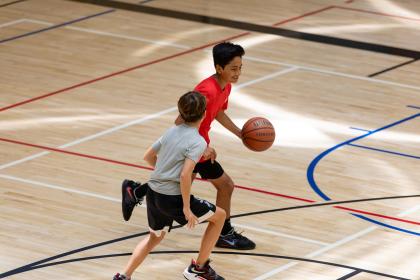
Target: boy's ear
[{"x": 219, "y": 69}]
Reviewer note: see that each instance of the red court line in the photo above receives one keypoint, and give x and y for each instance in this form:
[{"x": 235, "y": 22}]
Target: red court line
[
  {"x": 240, "y": 187},
  {"x": 377, "y": 215},
  {"x": 304, "y": 15},
  {"x": 151, "y": 62},
  {"x": 376, "y": 13}
]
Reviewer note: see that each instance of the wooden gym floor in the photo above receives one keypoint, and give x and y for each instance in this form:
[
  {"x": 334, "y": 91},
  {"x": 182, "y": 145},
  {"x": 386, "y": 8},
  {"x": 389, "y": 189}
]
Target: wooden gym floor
[{"x": 87, "y": 86}]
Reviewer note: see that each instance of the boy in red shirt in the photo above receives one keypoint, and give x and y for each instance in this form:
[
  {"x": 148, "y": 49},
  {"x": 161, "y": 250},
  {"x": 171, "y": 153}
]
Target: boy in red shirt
[{"x": 227, "y": 58}]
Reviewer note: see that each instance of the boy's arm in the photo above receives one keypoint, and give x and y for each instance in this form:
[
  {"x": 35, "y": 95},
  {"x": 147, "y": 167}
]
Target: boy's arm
[
  {"x": 224, "y": 120},
  {"x": 150, "y": 156},
  {"x": 185, "y": 182}
]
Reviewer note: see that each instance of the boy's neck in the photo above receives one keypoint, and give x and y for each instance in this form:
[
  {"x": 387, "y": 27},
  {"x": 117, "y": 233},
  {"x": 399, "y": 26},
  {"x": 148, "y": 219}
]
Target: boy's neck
[
  {"x": 222, "y": 83},
  {"x": 193, "y": 124}
]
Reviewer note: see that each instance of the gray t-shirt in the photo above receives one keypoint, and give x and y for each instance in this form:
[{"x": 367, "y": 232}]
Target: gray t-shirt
[{"x": 178, "y": 142}]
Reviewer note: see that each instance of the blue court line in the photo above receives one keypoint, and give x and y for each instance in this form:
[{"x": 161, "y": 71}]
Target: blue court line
[
  {"x": 361, "y": 129},
  {"x": 311, "y": 168},
  {"x": 386, "y": 225},
  {"x": 55, "y": 26},
  {"x": 384, "y": 151},
  {"x": 315, "y": 161},
  {"x": 414, "y": 107}
]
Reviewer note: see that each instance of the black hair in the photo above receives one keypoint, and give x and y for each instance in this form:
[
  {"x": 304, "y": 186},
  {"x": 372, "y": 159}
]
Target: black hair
[
  {"x": 192, "y": 106},
  {"x": 223, "y": 53}
]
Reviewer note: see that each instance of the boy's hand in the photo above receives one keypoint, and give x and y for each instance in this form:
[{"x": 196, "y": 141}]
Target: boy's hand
[
  {"x": 210, "y": 153},
  {"x": 190, "y": 217}
]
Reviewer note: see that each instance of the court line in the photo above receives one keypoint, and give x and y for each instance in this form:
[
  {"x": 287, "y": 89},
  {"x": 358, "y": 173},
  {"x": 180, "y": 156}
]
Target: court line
[
  {"x": 205, "y": 46},
  {"x": 166, "y": 252},
  {"x": 149, "y": 63},
  {"x": 386, "y": 225},
  {"x": 277, "y": 233},
  {"x": 90, "y": 137},
  {"x": 383, "y": 151},
  {"x": 11, "y": 3},
  {"x": 31, "y": 266},
  {"x": 139, "y": 166},
  {"x": 250, "y": 58},
  {"x": 56, "y": 26},
  {"x": 334, "y": 245},
  {"x": 112, "y": 199},
  {"x": 322, "y": 250},
  {"x": 324, "y": 71},
  {"x": 9, "y": 23},
  {"x": 116, "y": 35},
  {"x": 252, "y": 27},
  {"x": 311, "y": 168},
  {"x": 414, "y": 107},
  {"x": 331, "y": 246},
  {"x": 116, "y": 128},
  {"x": 393, "y": 67},
  {"x": 236, "y": 186},
  {"x": 361, "y": 129},
  {"x": 376, "y": 13},
  {"x": 334, "y": 73},
  {"x": 347, "y": 276}
]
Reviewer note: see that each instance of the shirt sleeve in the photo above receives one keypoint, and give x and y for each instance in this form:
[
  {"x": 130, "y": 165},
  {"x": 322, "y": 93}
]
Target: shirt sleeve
[
  {"x": 196, "y": 150},
  {"x": 225, "y": 105},
  {"x": 156, "y": 146}
]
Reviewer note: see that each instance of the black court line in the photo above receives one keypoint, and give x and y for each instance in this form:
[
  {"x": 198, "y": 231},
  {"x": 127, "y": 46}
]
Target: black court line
[
  {"x": 55, "y": 26},
  {"x": 393, "y": 67},
  {"x": 145, "y": 1},
  {"x": 41, "y": 262},
  {"x": 256, "y": 28},
  {"x": 12, "y": 3},
  {"x": 347, "y": 276},
  {"x": 321, "y": 204},
  {"x": 166, "y": 252},
  {"x": 414, "y": 107}
]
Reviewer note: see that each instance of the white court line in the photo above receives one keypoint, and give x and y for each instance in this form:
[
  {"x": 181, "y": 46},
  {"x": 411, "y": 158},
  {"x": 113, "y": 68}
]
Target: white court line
[
  {"x": 334, "y": 245},
  {"x": 276, "y": 233},
  {"x": 134, "y": 122},
  {"x": 313, "y": 69},
  {"x": 330, "y": 72},
  {"x": 12, "y": 22},
  {"x": 54, "y": 187},
  {"x": 108, "y": 198},
  {"x": 98, "y": 32},
  {"x": 87, "y": 138}
]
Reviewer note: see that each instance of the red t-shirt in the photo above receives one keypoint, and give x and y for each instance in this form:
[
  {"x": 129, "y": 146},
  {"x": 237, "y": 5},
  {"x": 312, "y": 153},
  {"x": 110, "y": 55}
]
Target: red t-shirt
[{"x": 217, "y": 100}]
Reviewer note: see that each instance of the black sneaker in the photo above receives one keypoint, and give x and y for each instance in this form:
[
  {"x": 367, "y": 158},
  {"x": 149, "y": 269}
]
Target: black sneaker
[
  {"x": 120, "y": 277},
  {"x": 235, "y": 240},
  {"x": 129, "y": 200},
  {"x": 193, "y": 272}
]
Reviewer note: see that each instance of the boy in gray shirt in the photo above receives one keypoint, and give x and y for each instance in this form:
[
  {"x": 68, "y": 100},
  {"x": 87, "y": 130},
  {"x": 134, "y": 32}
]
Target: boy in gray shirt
[{"x": 169, "y": 199}]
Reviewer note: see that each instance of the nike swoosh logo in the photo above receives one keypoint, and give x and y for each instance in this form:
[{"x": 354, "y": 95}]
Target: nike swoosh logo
[
  {"x": 130, "y": 192},
  {"x": 231, "y": 243}
]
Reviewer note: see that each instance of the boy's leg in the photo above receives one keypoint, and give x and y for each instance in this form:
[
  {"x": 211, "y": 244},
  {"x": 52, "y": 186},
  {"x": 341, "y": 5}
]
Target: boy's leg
[
  {"x": 211, "y": 235},
  {"x": 141, "y": 251},
  {"x": 205, "y": 211},
  {"x": 229, "y": 238}
]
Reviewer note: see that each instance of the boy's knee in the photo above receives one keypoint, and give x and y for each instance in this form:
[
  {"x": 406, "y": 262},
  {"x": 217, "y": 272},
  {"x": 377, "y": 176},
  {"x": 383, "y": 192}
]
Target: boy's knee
[{"x": 221, "y": 213}]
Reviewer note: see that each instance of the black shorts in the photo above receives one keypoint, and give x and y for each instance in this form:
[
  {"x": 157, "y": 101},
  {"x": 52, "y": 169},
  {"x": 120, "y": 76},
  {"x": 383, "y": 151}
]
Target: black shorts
[
  {"x": 163, "y": 210},
  {"x": 208, "y": 170}
]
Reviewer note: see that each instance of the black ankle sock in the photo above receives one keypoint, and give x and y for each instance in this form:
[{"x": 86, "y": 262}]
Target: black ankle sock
[
  {"x": 227, "y": 227},
  {"x": 140, "y": 191}
]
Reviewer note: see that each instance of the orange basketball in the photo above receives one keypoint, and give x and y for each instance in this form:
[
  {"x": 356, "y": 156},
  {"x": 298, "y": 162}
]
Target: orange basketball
[{"x": 258, "y": 134}]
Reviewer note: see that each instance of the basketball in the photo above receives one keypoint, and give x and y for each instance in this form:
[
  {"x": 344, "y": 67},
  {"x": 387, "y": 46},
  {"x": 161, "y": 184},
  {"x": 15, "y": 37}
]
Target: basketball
[{"x": 258, "y": 134}]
